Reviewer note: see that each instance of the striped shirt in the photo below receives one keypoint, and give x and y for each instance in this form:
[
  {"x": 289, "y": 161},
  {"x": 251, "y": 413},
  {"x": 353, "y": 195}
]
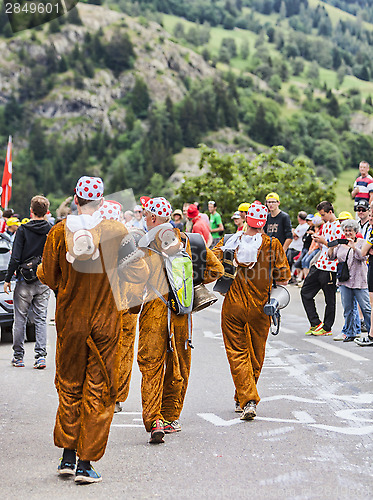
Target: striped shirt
[{"x": 365, "y": 185}]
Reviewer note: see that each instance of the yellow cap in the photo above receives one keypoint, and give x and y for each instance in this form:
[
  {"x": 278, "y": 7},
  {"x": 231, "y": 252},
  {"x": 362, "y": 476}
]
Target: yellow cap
[
  {"x": 13, "y": 221},
  {"x": 244, "y": 207},
  {"x": 344, "y": 216},
  {"x": 25, "y": 220},
  {"x": 273, "y": 195},
  {"x": 317, "y": 214}
]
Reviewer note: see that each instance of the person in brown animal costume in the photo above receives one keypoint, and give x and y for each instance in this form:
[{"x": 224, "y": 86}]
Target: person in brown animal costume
[
  {"x": 165, "y": 372},
  {"x": 80, "y": 262},
  {"x": 244, "y": 325},
  {"x": 131, "y": 300}
]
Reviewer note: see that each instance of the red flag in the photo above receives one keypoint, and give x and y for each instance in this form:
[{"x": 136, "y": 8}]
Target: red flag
[{"x": 6, "y": 184}]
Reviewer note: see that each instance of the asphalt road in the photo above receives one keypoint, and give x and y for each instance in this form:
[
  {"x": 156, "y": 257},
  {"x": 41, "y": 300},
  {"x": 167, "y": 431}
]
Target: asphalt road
[{"x": 312, "y": 438}]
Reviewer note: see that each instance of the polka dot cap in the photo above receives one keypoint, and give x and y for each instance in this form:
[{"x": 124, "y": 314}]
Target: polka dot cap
[
  {"x": 159, "y": 207},
  {"x": 89, "y": 188},
  {"x": 111, "y": 210},
  {"x": 257, "y": 215}
]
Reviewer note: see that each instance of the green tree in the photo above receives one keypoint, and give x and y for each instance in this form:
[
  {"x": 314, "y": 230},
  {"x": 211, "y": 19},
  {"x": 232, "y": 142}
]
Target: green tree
[
  {"x": 275, "y": 83},
  {"x": 231, "y": 178},
  {"x": 244, "y": 50},
  {"x": 140, "y": 99},
  {"x": 313, "y": 72},
  {"x": 119, "y": 52}
]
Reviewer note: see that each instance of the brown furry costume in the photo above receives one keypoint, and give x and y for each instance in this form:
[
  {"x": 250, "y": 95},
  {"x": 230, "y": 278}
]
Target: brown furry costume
[
  {"x": 88, "y": 327},
  {"x": 132, "y": 295},
  {"x": 165, "y": 374},
  {"x": 244, "y": 325},
  {"x": 126, "y": 348}
]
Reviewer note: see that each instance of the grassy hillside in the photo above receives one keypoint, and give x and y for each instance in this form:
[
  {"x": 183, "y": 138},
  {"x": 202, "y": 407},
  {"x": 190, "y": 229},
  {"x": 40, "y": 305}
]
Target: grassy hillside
[
  {"x": 343, "y": 199},
  {"x": 327, "y": 76},
  {"x": 337, "y": 15}
]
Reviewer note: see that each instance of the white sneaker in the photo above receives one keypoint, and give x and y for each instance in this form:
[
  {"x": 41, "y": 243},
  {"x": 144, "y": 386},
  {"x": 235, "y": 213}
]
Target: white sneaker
[
  {"x": 341, "y": 337},
  {"x": 249, "y": 412}
]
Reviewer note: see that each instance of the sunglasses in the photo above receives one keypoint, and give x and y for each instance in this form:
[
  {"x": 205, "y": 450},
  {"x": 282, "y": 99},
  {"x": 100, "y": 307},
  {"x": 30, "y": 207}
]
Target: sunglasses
[{"x": 361, "y": 210}]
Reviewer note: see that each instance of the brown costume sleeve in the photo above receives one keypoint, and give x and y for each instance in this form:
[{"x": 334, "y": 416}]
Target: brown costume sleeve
[
  {"x": 135, "y": 272},
  {"x": 214, "y": 268},
  {"x": 217, "y": 251},
  {"x": 49, "y": 271}
]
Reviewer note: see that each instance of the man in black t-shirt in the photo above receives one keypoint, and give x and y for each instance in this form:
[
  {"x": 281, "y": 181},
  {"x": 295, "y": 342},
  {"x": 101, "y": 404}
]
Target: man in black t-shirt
[{"x": 278, "y": 222}]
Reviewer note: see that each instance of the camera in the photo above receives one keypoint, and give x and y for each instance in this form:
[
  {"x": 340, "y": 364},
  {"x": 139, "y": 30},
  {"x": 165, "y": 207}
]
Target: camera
[{"x": 339, "y": 241}]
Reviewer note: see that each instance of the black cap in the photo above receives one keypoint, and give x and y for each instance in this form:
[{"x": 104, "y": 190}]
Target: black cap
[{"x": 362, "y": 204}]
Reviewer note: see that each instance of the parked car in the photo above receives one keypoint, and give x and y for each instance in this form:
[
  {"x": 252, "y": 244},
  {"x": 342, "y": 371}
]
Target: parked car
[
  {"x": 7, "y": 317},
  {"x": 6, "y": 300}
]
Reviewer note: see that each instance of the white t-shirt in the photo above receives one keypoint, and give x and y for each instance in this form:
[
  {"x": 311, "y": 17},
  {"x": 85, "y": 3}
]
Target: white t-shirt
[
  {"x": 299, "y": 231},
  {"x": 330, "y": 231}
]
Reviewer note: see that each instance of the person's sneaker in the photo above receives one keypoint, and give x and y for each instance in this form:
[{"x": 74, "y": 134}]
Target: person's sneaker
[
  {"x": 170, "y": 427},
  {"x": 157, "y": 432},
  {"x": 237, "y": 407},
  {"x": 363, "y": 327},
  {"x": 249, "y": 411},
  {"x": 66, "y": 468},
  {"x": 18, "y": 363},
  {"x": 365, "y": 341},
  {"x": 349, "y": 339},
  {"x": 313, "y": 328},
  {"x": 117, "y": 408},
  {"x": 40, "y": 363},
  {"x": 85, "y": 475},
  {"x": 341, "y": 337},
  {"x": 320, "y": 330}
]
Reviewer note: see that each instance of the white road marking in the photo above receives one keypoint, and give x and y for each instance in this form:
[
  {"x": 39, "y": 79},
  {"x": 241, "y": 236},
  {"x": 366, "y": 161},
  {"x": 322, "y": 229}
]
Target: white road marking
[
  {"x": 290, "y": 398},
  {"x": 351, "y": 431},
  {"x": 275, "y": 432},
  {"x": 301, "y": 418},
  {"x": 364, "y": 398},
  {"x": 350, "y": 414},
  {"x": 304, "y": 417},
  {"x": 219, "y": 422},
  {"x": 336, "y": 350},
  {"x": 127, "y": 413}
]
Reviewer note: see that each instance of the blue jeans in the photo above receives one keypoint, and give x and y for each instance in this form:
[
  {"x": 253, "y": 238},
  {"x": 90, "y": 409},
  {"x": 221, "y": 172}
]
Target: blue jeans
[
  {"x": 349, "y": 298},
  {"x": 307, "y": 259},
  {"x": 357, "y": 322},
  {"x": 37, "y": 295}
]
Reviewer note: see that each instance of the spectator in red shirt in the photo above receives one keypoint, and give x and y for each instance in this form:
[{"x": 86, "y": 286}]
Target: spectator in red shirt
[{"x": 199, "y": 226}]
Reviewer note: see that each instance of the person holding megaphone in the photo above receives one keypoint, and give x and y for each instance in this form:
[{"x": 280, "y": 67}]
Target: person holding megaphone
[{"x": 245, "y": 325}]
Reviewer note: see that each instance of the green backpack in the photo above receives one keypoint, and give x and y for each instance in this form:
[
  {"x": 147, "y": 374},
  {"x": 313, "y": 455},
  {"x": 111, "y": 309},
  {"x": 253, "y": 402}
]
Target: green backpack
[{"x": 179, "y": 270}]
